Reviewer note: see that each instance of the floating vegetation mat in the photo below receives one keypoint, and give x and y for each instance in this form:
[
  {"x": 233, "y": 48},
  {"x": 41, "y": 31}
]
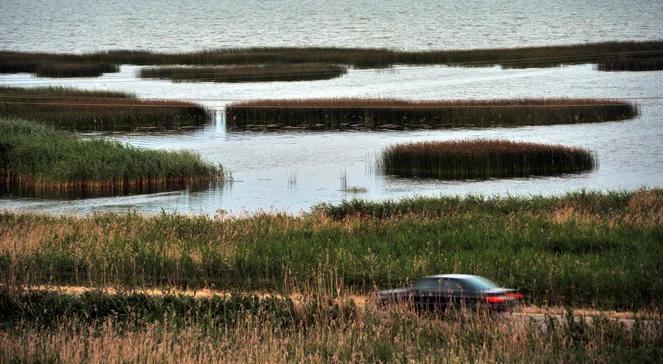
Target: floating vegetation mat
[
  {"x": 252, "y": 73},
  {"x": 481, "y": 159},
  {"x": 80, "y": 110},
  {"x": 547, "y": 56},
  {"x": 397, "y": 114}
]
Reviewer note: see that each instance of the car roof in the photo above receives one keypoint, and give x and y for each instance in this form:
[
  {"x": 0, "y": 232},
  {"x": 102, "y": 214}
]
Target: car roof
[{"x": 452, "y": 276}]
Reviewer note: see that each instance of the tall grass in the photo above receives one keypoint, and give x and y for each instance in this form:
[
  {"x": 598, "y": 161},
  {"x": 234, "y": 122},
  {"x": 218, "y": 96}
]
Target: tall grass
[
  {"x": 80, "y": 110},
  {"x": 38, "y": 160},
  {"x": 546, "y": 56},
  {"x": 480, "y": 159},
  {"x": 587, "y": 249},
  {"x": 388, "y": 113},
  {"x": 99, "y": 328},
  {"x": 253, "y": 73}
]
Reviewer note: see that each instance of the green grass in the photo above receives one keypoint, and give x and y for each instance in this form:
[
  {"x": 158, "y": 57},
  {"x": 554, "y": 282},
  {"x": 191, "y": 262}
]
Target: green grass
[
  {"x": 38, "y": 160},
  {"x": 388, "y": 113},
  {"x": 481, "y": 159},
  {"x": 79, "y": 110},
  {"x": 253, "y": 73},
  {"x": 547, "y": 56},
  {"x": 581, "y": 249}
]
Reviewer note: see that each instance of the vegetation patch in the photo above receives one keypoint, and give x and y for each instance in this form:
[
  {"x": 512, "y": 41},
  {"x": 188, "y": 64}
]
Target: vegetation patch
[
  {"x": 654, "y": 63},
  {"x": 547, "y": 56},
  {"x": 102, "y": 328},
  {"x": 389, "y": 113},
  {"x": 79, "y": 110},
  {"x": 586, "y": 249},
  {"x": 251, "y": 73},
  {"x": 36, "y": 160},
  {"x": 480, "y": 159}
]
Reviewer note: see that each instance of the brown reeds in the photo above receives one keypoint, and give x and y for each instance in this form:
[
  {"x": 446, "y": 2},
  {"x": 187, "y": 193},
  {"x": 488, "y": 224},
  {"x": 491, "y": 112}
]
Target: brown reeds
[
  {"x": 80, "y": 110},
  {"x": 389, "y": 113},
  {"x": 251, "y": 73},
  {"x": 545, "y": 56},
  {"x": 480, "y": 159},
  {"x": 74, "y": 69},
  {"x": 632, "y": 64}
]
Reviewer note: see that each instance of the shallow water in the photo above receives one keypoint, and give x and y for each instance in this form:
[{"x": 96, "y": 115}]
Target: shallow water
[
  {"x": 172, "y": 25},
  {"x": 291, "y": 171}
]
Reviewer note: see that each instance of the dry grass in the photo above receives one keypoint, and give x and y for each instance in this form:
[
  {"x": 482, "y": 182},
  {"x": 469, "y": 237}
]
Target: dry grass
[{"x": 369, "y": 335}]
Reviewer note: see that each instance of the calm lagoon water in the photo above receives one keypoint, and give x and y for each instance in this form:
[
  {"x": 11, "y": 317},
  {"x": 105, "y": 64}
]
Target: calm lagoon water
[{"x": 291, "y": 171}]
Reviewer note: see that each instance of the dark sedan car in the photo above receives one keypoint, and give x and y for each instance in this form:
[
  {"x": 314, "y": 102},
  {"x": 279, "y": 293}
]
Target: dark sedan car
[{"x": 443, "y": 291}]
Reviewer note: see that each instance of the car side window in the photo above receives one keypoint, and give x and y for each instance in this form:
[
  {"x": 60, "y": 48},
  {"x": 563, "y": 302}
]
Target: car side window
[
  {"x": 451, "y": 285},
  {"x": 428, "y": 283}
]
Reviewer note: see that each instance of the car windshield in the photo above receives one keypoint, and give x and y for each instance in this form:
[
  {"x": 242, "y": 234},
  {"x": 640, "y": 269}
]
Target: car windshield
[{"x": 476, "y": 283}]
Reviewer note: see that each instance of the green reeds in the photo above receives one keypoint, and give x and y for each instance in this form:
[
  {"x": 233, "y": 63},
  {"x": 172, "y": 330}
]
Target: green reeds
[
  {"x": 546, "y": 56},
  {"x": 585, "y": 249},
  {"x": 481, "y": 159},
  {"x": 79, "y": 110},
  {"x": 388, "y": 113},
  {"x": 253, "y": 73},
  {"x": 36, "y": 160}
]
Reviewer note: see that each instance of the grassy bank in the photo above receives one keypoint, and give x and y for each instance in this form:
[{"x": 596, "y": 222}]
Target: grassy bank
[
  {"x": 480, "y": 159},
  {"x": 253, "y": 73},
  {"x": 98, "y": 328},
  {"x": 547, "y": 56},
  {"x": 388, "y": 113},
  {"x": 80, "y": 110},
  {"x": 41, "y": 161},
  {"x": 581, "y": 249}
]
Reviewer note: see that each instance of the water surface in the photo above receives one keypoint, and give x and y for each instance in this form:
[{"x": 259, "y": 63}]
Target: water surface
[{"x": 291, "y": 171}]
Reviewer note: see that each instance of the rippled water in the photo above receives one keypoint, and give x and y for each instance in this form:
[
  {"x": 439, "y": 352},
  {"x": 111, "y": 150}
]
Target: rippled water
[
  {"x": 293, "y": 170},
  {"x": 169, "y": 25}
]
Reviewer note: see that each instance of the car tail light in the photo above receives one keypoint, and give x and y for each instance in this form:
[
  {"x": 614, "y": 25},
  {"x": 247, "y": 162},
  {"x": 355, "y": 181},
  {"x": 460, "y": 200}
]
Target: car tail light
[
  {"x": 516, "y": 296},
  {"x": 497, "y": 299}
]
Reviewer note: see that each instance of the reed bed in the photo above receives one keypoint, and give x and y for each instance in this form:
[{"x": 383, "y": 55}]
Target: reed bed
[
  {"x": 390, "y": 113},
  {"x": 481, "y": 159},
  {"x": 585, "y": 249},
  {"x": 252, "y": 73},
  {"x": 131, "y": 328},
  {"x": 547, "y": 56},
  {"x": 36, "y": 160},
  {"x": 633, "y": 64},
  {"x": 79, "y": 110},
  {"x": 74, "y": 69}
]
